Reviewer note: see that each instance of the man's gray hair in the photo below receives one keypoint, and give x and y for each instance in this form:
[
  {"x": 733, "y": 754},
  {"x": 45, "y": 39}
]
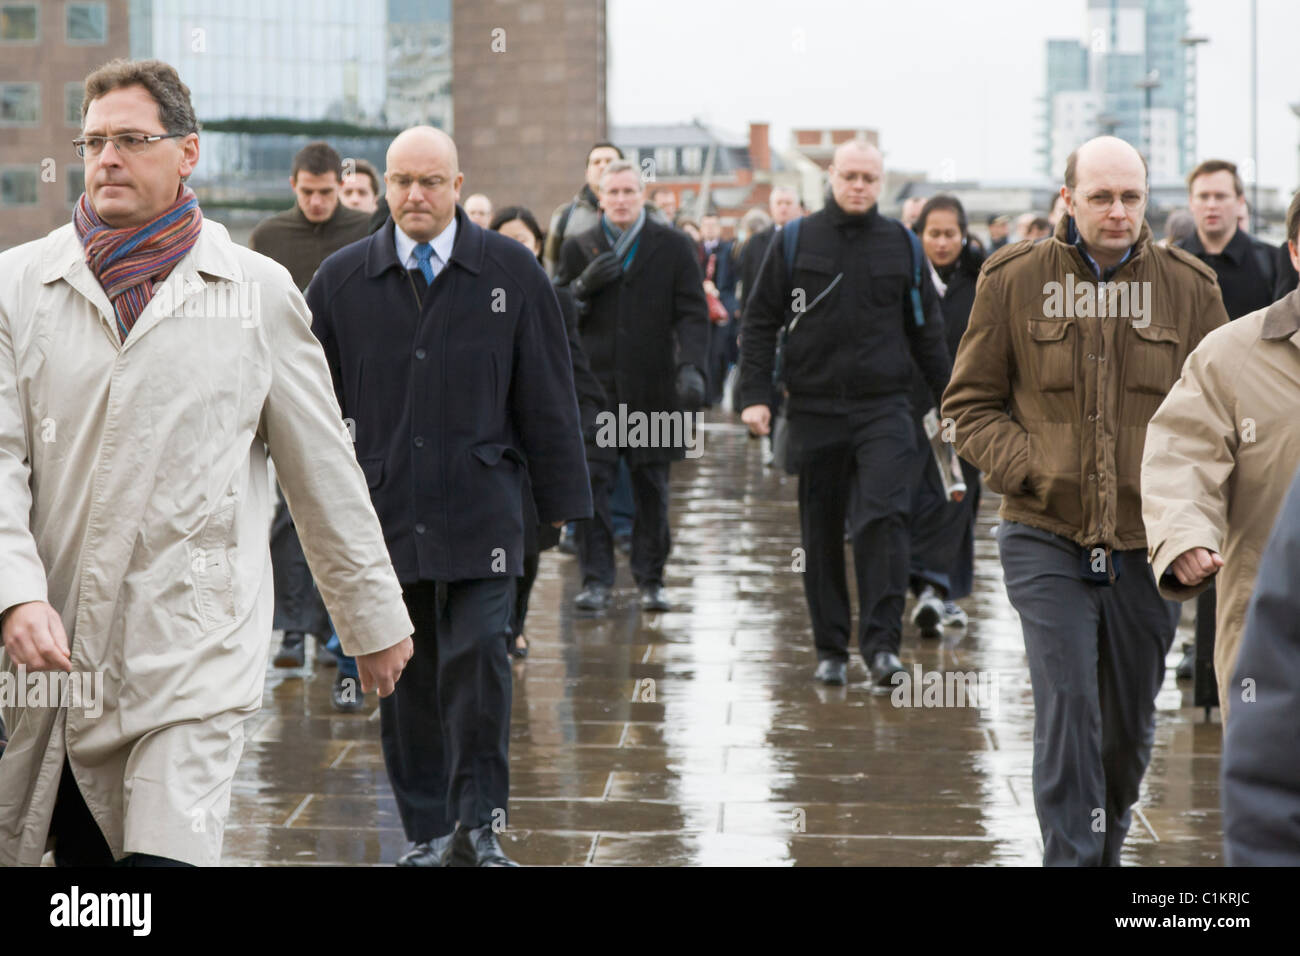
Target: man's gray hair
[{"x": 619, "y": 166}]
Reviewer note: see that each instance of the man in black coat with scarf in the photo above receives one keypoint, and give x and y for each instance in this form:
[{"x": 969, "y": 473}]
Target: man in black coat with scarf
[
  {"x": 645, "y": 329},
  {"x": 452, "y": 370}
]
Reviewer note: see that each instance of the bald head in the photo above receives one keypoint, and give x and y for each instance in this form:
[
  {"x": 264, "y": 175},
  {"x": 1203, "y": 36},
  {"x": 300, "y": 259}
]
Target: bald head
[
  {"x": 1103, "y": 154},
  {"x": 857, "y": 169},
  {"x": 423, "y": 179},
  {"x": 1106, "y": 193},
  {"x": 422, "y": 141},
  {"x": 855, "y": 147}
]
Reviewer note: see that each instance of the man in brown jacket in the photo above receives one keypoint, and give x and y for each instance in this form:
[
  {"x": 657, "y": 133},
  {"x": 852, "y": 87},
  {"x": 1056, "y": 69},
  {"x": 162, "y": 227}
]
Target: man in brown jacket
[
  {"x": 1053, "y": 385},
  {"x": 1220, "y": 455}
]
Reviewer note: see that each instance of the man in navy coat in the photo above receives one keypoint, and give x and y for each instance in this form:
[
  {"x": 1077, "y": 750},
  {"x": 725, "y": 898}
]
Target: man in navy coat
[{"x": 451, "y": 364}]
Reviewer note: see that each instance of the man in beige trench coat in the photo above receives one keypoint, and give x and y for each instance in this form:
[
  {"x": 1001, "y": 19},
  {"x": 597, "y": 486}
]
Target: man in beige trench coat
[
  {"x": 1220, "y": 454},
  {"x": 147, "y": 366}
]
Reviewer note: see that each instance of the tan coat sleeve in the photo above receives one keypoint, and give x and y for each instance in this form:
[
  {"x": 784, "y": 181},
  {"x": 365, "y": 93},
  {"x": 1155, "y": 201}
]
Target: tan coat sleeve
[
  {"x": 978, "y": 393},
  {"x": 1190, "y": 451},
  {"x": 22, "y": 574},
  {"x": 323, "y": 485}
]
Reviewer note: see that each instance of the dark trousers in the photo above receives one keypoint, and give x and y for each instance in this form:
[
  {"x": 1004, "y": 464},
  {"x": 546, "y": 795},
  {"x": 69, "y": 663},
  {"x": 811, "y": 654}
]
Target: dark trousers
[
  {"x": 1205, "y": 684},
  {"x": 651, "y": 540},
  {"x": 1096, "y": 662},
  {"x": 622, "y": 507},
  {"x": 865, "y": 456},
  {"x": 721, "y": 344},
  {"x": 942, "y": 532},
  {"x": 523, "y": 590},
  {"x": 445, "y": 729},
  {"x": 298, "y": 606},
  {"x": 78, "y": 841}
]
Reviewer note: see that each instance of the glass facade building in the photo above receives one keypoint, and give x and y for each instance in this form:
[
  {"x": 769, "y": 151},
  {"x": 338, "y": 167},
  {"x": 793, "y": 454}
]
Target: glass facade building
[
  {"x": 267, "y": 78},
  {"x": 1126, "y": 42}
]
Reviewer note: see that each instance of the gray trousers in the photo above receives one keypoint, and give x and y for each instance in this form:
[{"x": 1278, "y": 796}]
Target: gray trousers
[{"x": 1096, "y": 661}]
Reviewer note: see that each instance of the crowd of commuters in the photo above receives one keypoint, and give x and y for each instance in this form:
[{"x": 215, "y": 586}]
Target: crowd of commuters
[{"x": 428, "y": 376}]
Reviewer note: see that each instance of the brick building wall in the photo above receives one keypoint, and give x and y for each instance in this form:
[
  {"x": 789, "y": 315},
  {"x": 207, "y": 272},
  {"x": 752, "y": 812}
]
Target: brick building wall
[
  {"x": 52, "y": 62},
  {"x": 528, "y": 92}
]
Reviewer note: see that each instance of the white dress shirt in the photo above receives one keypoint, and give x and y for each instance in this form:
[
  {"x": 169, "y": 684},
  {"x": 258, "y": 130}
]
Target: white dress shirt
[{"x": 442, "y": 244}]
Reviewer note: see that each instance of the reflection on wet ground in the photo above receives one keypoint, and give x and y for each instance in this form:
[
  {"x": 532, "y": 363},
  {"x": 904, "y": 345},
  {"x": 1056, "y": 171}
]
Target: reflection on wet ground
[{"x": 698, "y": 736}]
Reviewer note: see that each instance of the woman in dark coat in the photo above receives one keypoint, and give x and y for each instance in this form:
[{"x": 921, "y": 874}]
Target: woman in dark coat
[
  {"x": 516, "y": 222},
  {"x": 943, "y": 531}
]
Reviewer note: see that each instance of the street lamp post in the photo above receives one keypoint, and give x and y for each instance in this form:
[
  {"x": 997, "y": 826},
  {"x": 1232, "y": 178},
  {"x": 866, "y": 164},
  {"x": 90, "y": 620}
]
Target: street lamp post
[
  {"x": 1295, "y": 108},
  {"x": 1254, "y": 116},
  {"x": 1191, "y": 42},
  {"x": 1148, "y": 86}
]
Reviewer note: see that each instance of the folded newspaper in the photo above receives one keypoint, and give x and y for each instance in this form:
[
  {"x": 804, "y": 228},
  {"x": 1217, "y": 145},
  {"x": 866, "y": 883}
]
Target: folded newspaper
[{"x": 945, "y": 457}]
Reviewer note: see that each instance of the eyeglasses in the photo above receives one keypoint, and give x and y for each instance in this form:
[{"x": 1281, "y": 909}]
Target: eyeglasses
[
  {"x": 1102, "y": 202},
  {"x": 125, "y": 142},
  {"x": 403, "y": 181}
]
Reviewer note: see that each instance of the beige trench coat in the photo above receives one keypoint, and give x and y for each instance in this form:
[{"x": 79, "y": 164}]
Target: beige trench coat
[
  {"x": 1220, "y": 454},
  {"x": 134, "y": 498}
]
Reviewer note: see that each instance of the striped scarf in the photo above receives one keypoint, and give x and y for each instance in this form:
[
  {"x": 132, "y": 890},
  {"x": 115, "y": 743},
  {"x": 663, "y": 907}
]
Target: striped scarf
[{"x": 127, "y": 262}]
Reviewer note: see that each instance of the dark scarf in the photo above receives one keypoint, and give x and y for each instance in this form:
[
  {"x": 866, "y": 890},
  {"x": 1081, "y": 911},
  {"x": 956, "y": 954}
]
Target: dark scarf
[
  {"x": 127, "y": 262},
  {"x": 626, "y": 240}
]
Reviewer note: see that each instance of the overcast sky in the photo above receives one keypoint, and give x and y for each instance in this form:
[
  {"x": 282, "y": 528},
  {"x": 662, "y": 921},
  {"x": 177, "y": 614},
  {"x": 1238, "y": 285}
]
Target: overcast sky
[{"x": 940, "y": 79}]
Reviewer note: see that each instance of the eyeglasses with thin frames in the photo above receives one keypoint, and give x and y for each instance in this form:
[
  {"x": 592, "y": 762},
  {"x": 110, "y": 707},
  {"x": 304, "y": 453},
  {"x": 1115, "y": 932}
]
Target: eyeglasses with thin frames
[
  {"x": 130, "y": 143},
  {"x": 1102, "y": 202}
]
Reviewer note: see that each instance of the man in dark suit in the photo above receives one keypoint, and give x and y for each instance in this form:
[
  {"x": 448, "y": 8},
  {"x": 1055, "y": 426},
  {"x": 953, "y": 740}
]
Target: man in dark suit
[
  {"x": 452, "y": 369},
  {"x": 645, "y": 329}
]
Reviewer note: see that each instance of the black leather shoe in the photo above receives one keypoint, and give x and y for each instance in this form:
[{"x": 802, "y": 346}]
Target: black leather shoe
[
  {"x": 478, "y": 847},
  {"x": 884, "y": 665},
  {"x": 436, "y": 852},
  {"x": 593, "y": 598},
  {"x": 654, "y": 599},
  {"x": 293, "y": 650},
  {"x": 928, "y": 613},
  {"x": 832, "y": 673},
  {"x": 347, "y": 695},
  {"x": 1186, "y": 669}
]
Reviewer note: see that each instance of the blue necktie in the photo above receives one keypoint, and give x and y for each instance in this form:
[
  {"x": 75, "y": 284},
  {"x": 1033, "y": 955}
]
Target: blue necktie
[{"x": 423, "y": 256}]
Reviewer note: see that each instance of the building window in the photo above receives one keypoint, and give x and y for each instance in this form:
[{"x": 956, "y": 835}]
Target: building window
[
  {"x": 18, "y": 185},
  {"x": 76, "y": 180},
  {"x": 20, "y": 104},
  {"x": 72, "y": 96},
  {"x": 666, "y": 161},
  {"x": 692, "y": 160},
  {"x": 19, "y": 23},
  {"x": 87, "y": 23}
]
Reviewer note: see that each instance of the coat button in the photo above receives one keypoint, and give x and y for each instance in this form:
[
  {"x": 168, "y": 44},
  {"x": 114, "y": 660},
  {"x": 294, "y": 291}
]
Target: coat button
[
  {"x": 1091, "y": 356},
  {"x": 420, "y": 354},
  {"x": 1092, "y": 418},
  {"x": 1092, "y": 477},
  {"x": 419, "y": 529},
  {"x": 419, "y": 442}
]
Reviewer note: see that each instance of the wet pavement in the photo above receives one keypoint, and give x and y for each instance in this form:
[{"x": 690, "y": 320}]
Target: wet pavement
[{"x": 698, "y": 736}]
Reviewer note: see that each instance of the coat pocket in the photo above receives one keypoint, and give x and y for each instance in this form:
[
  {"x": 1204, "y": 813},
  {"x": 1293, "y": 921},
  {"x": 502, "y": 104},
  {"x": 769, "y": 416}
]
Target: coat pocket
[
  {"x": 1150, "y": 365},
  {"x": 214, "y": 579},
  {"x": 1053, "y": 343}
]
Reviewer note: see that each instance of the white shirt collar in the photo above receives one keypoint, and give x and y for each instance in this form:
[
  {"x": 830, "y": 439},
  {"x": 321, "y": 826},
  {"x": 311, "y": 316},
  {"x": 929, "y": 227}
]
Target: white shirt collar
[{"x": 442, "y": 245}]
